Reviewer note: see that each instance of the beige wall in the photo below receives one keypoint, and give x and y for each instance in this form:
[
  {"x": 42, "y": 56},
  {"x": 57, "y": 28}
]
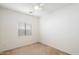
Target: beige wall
[{"x": 9, "y": 21}]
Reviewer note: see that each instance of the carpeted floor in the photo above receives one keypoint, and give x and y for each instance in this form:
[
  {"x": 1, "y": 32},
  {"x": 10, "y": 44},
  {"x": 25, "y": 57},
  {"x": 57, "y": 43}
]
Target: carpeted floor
[{"x": 34, "y": 49}]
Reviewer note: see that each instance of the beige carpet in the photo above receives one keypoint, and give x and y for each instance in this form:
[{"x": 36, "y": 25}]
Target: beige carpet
[{"x": 34, "y": 49}]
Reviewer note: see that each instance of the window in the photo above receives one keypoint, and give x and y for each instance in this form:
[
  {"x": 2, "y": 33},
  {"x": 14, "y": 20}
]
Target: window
[{"x": 24, "y": 29}]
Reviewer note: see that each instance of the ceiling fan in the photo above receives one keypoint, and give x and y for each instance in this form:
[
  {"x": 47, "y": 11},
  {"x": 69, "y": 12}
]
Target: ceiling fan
[{"x": 37, "y": 7}]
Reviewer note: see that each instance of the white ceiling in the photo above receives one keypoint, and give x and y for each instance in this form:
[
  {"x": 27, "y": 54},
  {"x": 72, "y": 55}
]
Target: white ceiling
[{"x": 28, "y": 7}]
